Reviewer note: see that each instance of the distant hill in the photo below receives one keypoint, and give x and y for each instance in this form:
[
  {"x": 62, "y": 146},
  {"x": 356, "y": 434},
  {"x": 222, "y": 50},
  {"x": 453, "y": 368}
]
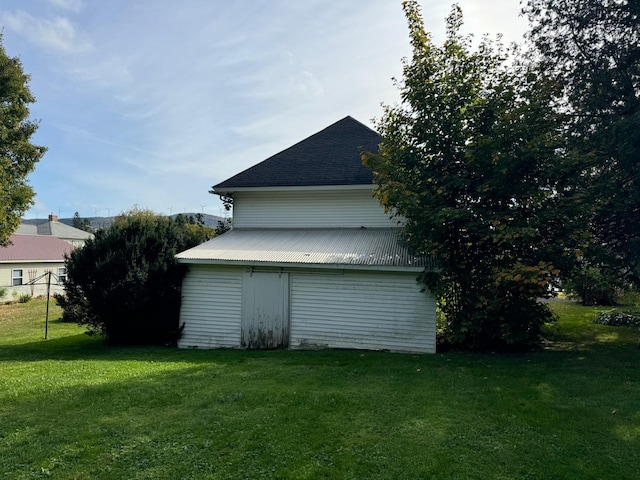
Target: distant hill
[{"x": 104, "y": 222}]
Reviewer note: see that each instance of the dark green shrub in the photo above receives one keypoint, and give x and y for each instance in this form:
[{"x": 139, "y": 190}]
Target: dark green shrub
[
  {"x": 507, "y": 320},
  {"x": 126, "y": 283}
]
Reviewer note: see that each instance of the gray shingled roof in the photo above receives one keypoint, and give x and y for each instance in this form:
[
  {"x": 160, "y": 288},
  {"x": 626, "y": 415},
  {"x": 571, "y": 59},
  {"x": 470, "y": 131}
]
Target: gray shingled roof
[
  {"x": 60, "y": 230},
  {"x": 53, "y": 228},
  {"x": 330, "y": 157},
  {"x": 26, "y": 229}
]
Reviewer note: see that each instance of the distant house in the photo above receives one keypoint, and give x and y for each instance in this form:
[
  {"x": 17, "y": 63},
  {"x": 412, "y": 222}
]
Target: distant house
[
  {"x": 27, "y": 259},
  {"x": 312, "y": 260},
  {"x": 52, "y": 227}
]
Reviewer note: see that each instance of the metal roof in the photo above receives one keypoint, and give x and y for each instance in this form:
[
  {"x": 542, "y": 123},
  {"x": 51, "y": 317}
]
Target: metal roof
[
  {"x": 34, "y": 248},
  {"x": 331, "y": 248}
]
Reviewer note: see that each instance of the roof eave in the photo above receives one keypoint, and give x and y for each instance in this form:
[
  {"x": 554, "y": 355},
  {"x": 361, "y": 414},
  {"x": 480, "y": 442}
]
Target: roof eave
[
  {"x": 31, "y": 261},
  {"x": 226, "y": 191},
  {"x": 315, "y": 266}
]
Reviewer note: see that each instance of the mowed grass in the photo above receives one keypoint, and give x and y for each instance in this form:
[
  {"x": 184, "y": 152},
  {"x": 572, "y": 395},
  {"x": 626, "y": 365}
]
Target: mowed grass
[{"x": 71, "y": 408}]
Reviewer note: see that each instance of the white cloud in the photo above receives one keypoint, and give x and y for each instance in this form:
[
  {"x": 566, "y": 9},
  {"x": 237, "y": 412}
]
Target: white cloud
[
  {"x": 72, "y": 5},
  {"x": 52, "y": 34},
  {"x": 104, "y": 72}
]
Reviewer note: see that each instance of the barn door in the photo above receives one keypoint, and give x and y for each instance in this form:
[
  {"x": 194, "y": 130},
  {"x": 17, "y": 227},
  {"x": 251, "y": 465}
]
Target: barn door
[{"x": 265, "y": 310}]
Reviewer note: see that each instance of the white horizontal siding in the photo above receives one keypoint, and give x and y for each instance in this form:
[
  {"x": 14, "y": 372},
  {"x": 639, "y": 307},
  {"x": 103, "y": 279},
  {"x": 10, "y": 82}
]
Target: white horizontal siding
[
  {"x": 30, "y": 271},
  {"x": 211, "y": 307},
  {"x": 309, "y": 209},
  {"x": 362, "y": 310}
]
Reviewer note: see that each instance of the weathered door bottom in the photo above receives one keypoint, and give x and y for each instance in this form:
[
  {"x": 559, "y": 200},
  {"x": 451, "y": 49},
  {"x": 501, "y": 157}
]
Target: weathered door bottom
[{"x": 265, "y": 310}]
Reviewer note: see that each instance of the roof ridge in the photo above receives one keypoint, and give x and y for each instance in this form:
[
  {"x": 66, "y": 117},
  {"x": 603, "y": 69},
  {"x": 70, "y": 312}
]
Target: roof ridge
[{"x": 331, "y": 156}]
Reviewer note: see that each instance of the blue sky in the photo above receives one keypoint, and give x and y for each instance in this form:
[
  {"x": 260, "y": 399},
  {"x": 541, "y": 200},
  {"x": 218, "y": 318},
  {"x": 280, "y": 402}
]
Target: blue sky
[{"x": 151, "y": 102}]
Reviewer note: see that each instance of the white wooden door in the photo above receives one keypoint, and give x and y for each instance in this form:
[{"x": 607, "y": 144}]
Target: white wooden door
[{"x": 265, "y": 310}]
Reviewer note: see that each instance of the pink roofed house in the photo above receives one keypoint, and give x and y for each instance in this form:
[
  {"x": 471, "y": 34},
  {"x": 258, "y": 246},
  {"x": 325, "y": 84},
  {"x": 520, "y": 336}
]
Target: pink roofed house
[{"x": 24, "y": 263}]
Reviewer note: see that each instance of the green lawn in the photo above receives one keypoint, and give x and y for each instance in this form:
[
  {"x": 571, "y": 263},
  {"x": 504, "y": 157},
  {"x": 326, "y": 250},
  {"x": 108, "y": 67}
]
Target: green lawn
[{"x": 71, "y": 408}]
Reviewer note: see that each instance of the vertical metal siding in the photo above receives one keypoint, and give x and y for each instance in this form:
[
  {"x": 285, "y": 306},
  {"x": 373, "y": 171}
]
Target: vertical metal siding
[
  {"x": 265, "y": 310},
  {"x": 362, "y": 310},
  {"x": 310, "y": 209},
  {"x": 211, "y": 307}
]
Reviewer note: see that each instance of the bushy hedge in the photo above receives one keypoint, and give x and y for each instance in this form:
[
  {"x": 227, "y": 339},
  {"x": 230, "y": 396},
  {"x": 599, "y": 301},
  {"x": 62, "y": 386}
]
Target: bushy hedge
[
  {"x": 618, "y": 319},
  {"x": 126, "y": 283}
]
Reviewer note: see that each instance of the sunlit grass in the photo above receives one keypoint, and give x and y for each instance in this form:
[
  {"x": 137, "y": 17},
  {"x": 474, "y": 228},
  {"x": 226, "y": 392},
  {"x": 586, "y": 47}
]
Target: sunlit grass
[{"x": 70, "y": 407}]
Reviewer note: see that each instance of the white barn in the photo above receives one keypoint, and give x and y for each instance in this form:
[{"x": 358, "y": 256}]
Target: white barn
[{"x": 312, "y": 260}]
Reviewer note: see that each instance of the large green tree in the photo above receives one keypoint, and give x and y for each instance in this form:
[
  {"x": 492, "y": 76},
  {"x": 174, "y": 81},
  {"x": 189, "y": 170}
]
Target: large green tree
[
  {"x": 18, "y": 155},
  {"x": 126, "y": 282},
  {"x": 472, "y": 158},
  {"x": 592, "y": 49}
]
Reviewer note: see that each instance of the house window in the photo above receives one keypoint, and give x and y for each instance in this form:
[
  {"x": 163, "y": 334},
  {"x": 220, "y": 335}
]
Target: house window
[
  {"x": 16, "y": 277},
  {"x": 62, "y": 275}
]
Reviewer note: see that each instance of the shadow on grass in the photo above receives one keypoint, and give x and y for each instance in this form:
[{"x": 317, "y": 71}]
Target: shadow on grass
[
  {"x": 84, "y": 347},
  {"x": 609, "y": 346}
]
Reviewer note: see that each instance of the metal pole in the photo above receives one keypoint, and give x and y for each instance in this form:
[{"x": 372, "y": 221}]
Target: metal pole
[{"x": 46, "y": 321}]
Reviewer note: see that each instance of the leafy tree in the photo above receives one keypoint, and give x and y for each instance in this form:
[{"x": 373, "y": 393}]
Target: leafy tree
[
  {"x": 18, "y": 155},
  {"x": 196, "y": 227},
  {"x": 472, "y": 159},
  {"x": 82, "y": 223},
  {"x": 126, "y": 282},
  {"x": 223, "y": 226},
  {"x": 592, "y": 49},
  {"x": 594, "y": 286}
]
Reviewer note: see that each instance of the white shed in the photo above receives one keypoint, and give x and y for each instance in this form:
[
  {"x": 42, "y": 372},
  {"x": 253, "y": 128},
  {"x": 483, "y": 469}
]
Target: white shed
[{"x": 312, "y": 260}]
